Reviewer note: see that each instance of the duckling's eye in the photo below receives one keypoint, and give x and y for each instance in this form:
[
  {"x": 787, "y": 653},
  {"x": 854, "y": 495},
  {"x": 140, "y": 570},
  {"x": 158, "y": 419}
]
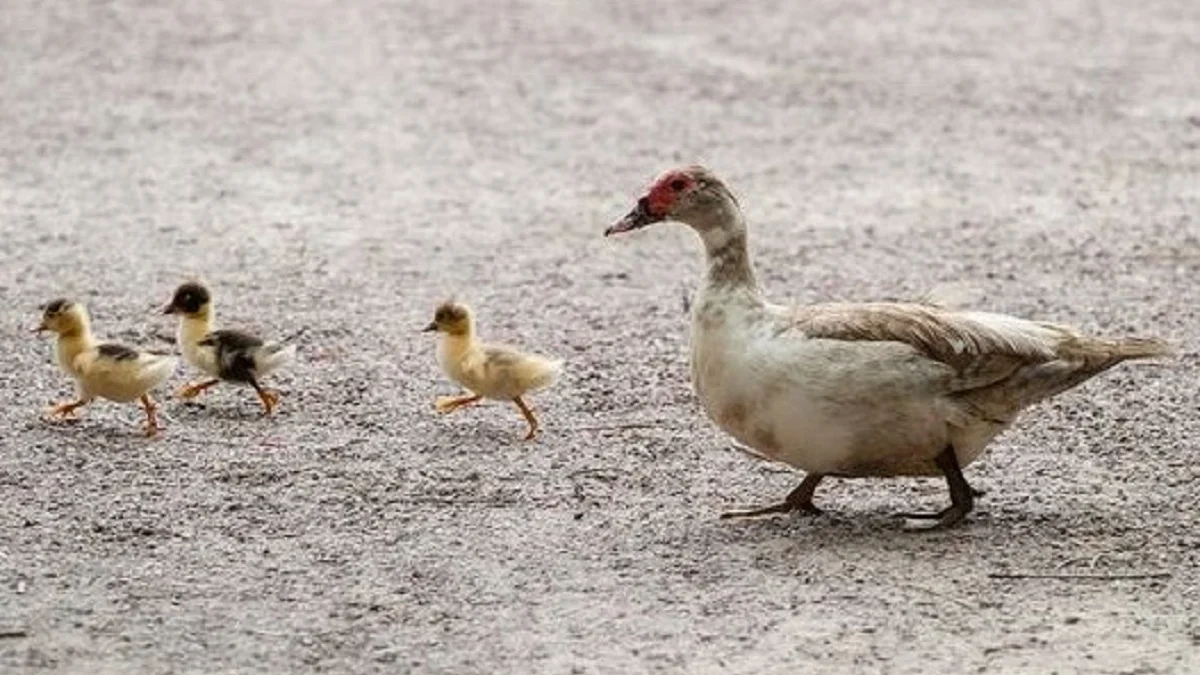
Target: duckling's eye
[{"x": 678, "y": 184}]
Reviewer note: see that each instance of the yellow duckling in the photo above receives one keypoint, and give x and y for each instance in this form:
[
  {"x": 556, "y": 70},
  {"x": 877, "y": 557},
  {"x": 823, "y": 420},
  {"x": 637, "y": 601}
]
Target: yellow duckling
[
  {"x": 106, "y": 370},
  {"x": 488, "y": 371}
]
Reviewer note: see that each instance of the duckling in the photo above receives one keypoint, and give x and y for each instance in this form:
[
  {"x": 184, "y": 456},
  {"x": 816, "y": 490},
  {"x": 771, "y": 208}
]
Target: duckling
[
  {"x": 488, "y": 371},
  {"x": 859, "y": 389},
  {"x": 107, "y": 369},
  {"x": 223, "y": 355}
]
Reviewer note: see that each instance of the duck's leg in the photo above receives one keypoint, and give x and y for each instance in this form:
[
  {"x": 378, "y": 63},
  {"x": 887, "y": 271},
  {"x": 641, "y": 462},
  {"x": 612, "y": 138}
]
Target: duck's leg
[
  {"x": 962, "y": 495},
  {"x": 800, "y": 499},
  {"x": 448, "y": 404},
  {"x": 534, "y": 427},
  {"x": 190, "y": 391},
  {"x": 66, "y": 409},
  {"x": 152, "y": 425},
  {"x": 269, "y": 398}
]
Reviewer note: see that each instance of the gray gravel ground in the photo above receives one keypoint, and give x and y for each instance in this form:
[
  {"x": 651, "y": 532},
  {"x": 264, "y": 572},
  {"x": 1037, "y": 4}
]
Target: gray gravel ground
[{"x": 345, "y": 165}]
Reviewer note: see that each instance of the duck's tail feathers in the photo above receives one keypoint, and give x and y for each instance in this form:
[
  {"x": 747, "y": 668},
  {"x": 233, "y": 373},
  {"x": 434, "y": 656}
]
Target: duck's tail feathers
[
  {"x": 1099, "y": 354},
  {"x": 1081, "y": 359}
]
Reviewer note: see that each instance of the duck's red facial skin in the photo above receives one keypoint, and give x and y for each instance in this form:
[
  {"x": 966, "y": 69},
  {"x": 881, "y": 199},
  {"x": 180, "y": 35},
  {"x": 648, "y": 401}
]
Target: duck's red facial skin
[
  {"x": 666, "y": 190},
  {"x": 657, "y": 204}
]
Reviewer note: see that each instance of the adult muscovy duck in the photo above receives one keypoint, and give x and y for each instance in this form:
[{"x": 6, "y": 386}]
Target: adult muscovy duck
[{"x": 858, "y": 390}]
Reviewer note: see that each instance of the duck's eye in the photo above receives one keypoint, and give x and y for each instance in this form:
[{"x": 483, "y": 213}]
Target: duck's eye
[{"x": 678, "y": 184}]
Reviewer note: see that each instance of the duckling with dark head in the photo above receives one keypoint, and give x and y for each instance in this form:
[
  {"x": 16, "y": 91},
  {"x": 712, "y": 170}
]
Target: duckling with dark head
[{"x": 224, "y": 355}]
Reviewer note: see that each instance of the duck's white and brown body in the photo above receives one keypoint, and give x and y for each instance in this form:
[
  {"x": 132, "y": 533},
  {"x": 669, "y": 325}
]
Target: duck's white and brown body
[
  {"x": 223, "y": 355},
  {"x": 858, "y": 390},
  {"x": 102, "y": 369},
  {"x": 492, "y": 371}
]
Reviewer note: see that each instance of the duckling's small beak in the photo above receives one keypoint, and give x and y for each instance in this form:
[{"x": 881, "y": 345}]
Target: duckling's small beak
[
  {"x": 39, "y": 329},
  {"x": 168, "y": 308},
  {"x": 430, "y": 328},
  {"x": 636, "y": 219}
]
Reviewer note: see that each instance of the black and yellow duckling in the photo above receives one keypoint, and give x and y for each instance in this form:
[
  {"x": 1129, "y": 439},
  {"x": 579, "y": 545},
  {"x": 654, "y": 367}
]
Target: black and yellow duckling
[{"x": 224, "y": 355}]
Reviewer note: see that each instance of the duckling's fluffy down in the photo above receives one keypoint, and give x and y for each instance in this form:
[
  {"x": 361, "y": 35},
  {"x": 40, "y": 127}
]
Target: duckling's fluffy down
[
  {"x": 505, "y": 373},
  {"x": 121, "y": 380}
]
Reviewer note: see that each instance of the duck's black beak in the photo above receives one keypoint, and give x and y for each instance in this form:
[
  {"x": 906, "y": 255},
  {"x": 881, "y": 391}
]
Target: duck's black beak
[
  {"x": 430, "y": 328},
  {"x": 636, "y": 219},
  {"x": 168, "y": 308}
]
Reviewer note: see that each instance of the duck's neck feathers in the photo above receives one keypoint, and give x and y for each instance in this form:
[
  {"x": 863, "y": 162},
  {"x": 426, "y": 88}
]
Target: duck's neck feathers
[{"x": 726, "y": 249}]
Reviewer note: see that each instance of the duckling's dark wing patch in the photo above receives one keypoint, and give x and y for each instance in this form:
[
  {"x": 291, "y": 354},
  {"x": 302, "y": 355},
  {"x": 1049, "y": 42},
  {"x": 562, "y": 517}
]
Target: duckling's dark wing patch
[
  {"x": 233, "y": 339},
  {"x": 117, "y": 352},
  {"x": 235, "y": 354}
]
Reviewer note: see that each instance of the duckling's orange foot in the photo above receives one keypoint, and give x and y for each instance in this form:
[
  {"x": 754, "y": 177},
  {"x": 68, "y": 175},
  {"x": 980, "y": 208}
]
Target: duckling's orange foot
[
  {"x": 448, "y": 404},
  {"x": 191, "y": 391},
  {"x": 533, "y": 432},
  {"x": 152, "y": 428},
  {"x": 270, "y": 400},
  {"x": 62, "y": 411}
]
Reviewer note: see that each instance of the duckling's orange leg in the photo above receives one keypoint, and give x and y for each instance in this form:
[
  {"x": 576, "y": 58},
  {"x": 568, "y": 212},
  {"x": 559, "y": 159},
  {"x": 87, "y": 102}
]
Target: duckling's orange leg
[
  {"x": 65, "y": 409},
  {"x": 448, "y": 404},
  {"x": 534, "y": 427},
  {"x": 800, "y": 499},
  {"x": 194, "y": 389},
  {"x": 269, "y": 398},
  {"x": 152, "y": 425}
]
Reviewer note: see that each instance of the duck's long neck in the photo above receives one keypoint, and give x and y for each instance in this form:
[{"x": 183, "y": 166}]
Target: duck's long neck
[{"x": 724, "y": 237}]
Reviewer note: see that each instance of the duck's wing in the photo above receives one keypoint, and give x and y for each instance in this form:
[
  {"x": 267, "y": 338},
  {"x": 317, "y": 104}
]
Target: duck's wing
[
  {"x": 980, "y": 347},
  {"x": 946, "y": 336},
  {"x": 986, "y": 351}
]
